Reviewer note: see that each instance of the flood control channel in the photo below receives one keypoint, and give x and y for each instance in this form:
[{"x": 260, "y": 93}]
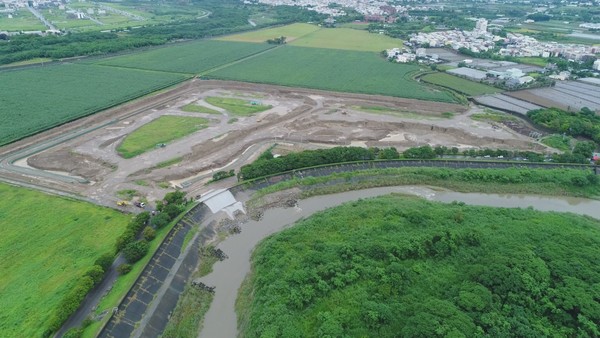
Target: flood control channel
[{"x": 220, "y": 320}]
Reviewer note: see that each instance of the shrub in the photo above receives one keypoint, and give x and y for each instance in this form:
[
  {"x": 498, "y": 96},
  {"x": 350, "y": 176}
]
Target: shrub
[
  {"x": 133, "y": 252},
  {"x": 74, "y": 332},
  {"x": 171, "y": 210},
  {"x": 96, "y": 273},
  {"x": 105, "y": 261},
  {"x": 71, "y": 302},
  {"x": 124, "y": 269},
  {"x": 149, "y": 233},
  {"x": 160, "y": 220},
  {"x": 127, "y": 237}
]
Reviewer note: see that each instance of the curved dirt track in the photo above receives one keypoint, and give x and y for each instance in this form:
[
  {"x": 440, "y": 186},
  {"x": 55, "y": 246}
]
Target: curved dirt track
[{"x": 299, "y": 119}]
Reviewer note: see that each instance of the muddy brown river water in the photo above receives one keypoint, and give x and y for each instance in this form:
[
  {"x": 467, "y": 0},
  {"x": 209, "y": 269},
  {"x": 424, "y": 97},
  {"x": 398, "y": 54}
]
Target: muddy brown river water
[{"x": 227, "y": 276}]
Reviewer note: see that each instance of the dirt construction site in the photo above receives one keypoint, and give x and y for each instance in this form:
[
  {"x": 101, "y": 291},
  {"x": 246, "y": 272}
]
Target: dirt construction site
[{"x": 81, "y": 159}]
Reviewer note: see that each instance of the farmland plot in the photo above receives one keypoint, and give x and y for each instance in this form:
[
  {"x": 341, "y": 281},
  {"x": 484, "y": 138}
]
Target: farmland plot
[
  {"x": 460, "y": 85},
  {"x": 47, "y": 243},
  {"x": 338, "y": 70},
  {"x": 37, "y": 99},
  {"x": 189, "y": 58}
]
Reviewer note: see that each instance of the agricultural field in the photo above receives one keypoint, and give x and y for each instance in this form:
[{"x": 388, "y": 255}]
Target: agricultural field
[
  {"x": 66, "y": 92},
  {"x": 337, "y": 70},
  {"x": 291, "y": 32},
  {"x": 162, "y": 130},
  {"x": 460, "y": 85},
  {"x": 22, "y": 20},
  {"x": 189, "y": 58},
  {"x": 238, "y": 107},
  {"x": 348, "y": 39},
  {"x": 306, "y": 35},
  {"x": 424, "y": 269},
  {"x": 47, "y": 243}
]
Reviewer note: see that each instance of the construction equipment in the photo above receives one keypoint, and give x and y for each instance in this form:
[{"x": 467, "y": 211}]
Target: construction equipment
[{"x": 122, "y": 203}]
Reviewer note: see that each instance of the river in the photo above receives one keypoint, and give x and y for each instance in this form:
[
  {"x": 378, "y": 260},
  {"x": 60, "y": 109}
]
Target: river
[{"x": 227, "y": 276}]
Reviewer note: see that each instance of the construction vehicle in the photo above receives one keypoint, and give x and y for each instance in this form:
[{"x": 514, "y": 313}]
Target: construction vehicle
[{"x": 122, "y": 203}]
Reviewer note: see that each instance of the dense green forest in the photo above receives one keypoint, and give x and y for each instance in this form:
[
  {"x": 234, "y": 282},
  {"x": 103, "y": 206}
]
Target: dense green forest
[
  {"x": 583, "y": 123},
  {"x": 226, "y": 16},
  {"x": 402, "y": 266}
]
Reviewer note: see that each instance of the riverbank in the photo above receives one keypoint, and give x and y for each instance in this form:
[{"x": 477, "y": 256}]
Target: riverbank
[
  {"x": 402, "y": 265},
  {"x": 220, "y": 320}
]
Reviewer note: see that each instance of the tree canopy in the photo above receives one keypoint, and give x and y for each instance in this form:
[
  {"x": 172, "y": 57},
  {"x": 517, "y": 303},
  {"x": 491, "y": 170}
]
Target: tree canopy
[{"x": 401, "y": 266}]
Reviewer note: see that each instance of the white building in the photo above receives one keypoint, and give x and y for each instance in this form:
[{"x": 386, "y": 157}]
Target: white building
[
  {"x": 481, "y": 26},
  {"x": 596, "y": 65}
]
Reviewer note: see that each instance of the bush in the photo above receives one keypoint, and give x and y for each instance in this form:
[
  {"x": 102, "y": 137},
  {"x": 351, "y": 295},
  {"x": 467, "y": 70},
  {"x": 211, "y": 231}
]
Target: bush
[
  {"x": 133, "y": 252},
  {"x": 160, "y": 220},
  {"x": 71, "y": 302},
  {"x": 139, "y": 222},
  {"x": 96, "y": 273},
  {"x": 74, "y": 332},
  {"x": 176, "y": 197},
  {"x": 124, "y": 269},
  {"x": 105, "y": 261},
  {"x": 172, "y": 210},
  {"x": 127, "y": 237},
  {"x": 149, "y": 233}
]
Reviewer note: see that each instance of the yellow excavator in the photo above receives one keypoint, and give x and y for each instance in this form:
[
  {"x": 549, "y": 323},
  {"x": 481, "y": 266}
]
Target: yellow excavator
[{"x": 122, "y": 203}]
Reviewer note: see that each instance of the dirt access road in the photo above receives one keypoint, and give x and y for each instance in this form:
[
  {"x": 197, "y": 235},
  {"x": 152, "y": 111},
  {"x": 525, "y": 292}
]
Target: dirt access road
[{"x": 80, "y": 158}]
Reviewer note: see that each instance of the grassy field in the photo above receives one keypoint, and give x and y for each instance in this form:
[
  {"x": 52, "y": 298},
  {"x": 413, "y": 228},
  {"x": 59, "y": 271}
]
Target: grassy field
[
  {"x": 348, "y": 39},
  {"x": 536, "y": 61},
  {"x": 36, "y": 99},
  {"x": 196, "y": 108},
  {"x": 460, "y": 85},
  {"x": 291, "y": 32},
  {"x": 237, "y": 107},
  {"x": 190, "y": 58},
  {"x": 162, "y": 130},
  {"x": 47, "y": 243},
  {"x": 560, "y": 142},
  {"x": 22, "y": 20},
  {"x": 337, "y": 70},
  {"x": 305, "y": 35},
  {"x": 402, "y": 266}
]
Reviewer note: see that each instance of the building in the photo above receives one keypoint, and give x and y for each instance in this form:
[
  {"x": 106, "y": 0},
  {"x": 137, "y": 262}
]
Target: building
[
  {"x": 596, "y": 65},
  {"x": 481, "y": 26}
]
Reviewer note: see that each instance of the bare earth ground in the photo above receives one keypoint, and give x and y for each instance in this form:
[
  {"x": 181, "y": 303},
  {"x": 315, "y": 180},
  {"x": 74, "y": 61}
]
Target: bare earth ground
[{"x": 300, "y": 119}]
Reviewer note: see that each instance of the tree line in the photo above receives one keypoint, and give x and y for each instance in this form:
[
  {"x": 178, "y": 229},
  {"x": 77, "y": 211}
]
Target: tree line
[
  {"x": 133, "y": 244},
  {"x": 267, "y": 164},
  {"x": 226, "y": 17}
]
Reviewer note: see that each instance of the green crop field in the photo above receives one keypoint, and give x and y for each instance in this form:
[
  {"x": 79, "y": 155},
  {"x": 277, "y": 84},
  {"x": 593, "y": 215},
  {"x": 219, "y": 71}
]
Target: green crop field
[
  {"x": 347, "y": 38},
  {"x": 36, "y": 99},
  {"x": 189, "y": 58},
  {"x": 237, "y": 107},
  {"x": 338, "y": 70},
  {"x": 397, "y": 266},
  {"x": 291, "y": 32},
  {"x": 460, "y": 85},
  {"x": 47, "y": 243},
  {"x": 162, "y": 130},
  {"x": 305, "y": 35}
]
